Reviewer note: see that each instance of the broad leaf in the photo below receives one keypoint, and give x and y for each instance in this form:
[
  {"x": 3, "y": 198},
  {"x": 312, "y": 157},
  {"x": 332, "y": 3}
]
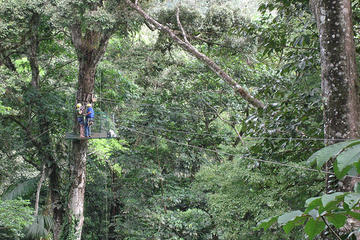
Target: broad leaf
[
  {"x": 314, "y": 214},
  {"x": 352, "y": 199},
  {"x": 345, "y": 161},
  {"x": 287, "y": 217},
  {"x": 324, "y": 154},
  {"x": 333, "y": 198},
  {"x": 296, "y": 222},
  {"x": 354, "y": 214},
  {"x": 312, "y": 203},
  {"x": 338, "y": 220},
  {"x": 266, "y": 223},
  {"x": 314, "y": 227}
]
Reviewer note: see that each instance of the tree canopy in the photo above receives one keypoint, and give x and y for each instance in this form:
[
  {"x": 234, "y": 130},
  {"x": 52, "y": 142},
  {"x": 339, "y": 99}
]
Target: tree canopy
[{"x": 218, "y": 111}]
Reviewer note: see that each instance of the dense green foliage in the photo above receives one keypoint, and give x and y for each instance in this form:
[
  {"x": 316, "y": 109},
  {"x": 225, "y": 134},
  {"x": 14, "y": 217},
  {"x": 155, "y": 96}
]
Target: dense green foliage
[
  {"x": 15, "y": 215},
  {"x": 192, "y": 159},
  {"x": 332, "y": 208}
]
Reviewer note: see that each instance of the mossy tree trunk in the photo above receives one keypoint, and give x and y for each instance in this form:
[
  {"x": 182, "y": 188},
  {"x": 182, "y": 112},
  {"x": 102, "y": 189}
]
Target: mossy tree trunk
[
  {"x": 339, "y": 78},
  {"x": 90, "y": 47}
]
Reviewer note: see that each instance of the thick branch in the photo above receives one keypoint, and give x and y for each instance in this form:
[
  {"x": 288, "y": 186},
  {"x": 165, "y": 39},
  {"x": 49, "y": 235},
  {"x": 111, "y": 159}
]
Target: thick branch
[
  {"x": 39, "y": 189},
  {"x": 180, "y": 25},
  {"x": 193, "y": 51},
  {"x": 151, "y": 27},
  {"x": 102, "y": 46},
  {"x": 76, "y": 36}
]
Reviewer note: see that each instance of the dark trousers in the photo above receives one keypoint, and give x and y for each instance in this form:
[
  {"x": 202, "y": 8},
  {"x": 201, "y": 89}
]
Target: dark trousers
[{"x": 88, "y": 124}]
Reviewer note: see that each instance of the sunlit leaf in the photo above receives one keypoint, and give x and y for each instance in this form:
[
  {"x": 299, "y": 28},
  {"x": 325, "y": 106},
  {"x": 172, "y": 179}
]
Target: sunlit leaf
[
  {"x": 346, "y": 159},
  {"x": 285, "y": 218},
  {"x": 266, "y": 223},
  {"x": 352, "y": 199},
  {"x": 324, "y": 154}
]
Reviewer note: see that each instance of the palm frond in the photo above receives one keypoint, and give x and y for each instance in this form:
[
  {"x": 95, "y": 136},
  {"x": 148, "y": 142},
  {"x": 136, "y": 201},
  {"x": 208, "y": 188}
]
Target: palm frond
[
  {"x": 23, "y": 188},
  {"x": 40, "y": 228}
]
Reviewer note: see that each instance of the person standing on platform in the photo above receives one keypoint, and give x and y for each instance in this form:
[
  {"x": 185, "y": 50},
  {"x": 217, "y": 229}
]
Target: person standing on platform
[
  {"x": 89, "y": 119},
  {"x": 80, "y": 119}
]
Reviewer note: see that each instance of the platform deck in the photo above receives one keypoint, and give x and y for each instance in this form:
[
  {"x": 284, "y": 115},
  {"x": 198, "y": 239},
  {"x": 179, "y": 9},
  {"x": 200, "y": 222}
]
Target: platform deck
[{"x": 95, "y": 135}]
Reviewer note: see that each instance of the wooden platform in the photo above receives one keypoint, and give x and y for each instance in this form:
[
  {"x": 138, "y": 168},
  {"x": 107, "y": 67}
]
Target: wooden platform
[{"x": 95, "y": 135}]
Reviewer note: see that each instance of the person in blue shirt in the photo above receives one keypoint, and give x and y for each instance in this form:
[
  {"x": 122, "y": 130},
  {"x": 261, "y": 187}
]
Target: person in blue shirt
[{"x": 89, "y": 119}]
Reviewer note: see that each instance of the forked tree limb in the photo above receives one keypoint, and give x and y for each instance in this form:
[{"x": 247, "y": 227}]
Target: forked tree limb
[
  {"x": 188, "y": 47},
  {"x": 180, "y": 25}
]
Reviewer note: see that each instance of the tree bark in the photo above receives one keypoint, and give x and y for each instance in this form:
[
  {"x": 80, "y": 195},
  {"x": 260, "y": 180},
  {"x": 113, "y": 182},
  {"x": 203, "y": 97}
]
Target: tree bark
[
  {"x": 38, "y": 189},
  {"x": 77, "y": 188},
  {"x": 90, "y": 47},
  {"x": 44, "y": 146},
  {"x": 338, "y": 69},
  {"x": 339, "y": 78},
  {"x": 57, "y": 208}
]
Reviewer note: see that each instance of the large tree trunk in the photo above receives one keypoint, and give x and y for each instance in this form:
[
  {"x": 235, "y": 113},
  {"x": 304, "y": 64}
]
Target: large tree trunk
[
  {"x": 44, "y": 146},
  {"x": 55, "y": 197},
  {"x": 90, "y": 47},
  {"x": 338, "y": 77},
  {"x": 338, "y": 69},
  {"x": 77, "y": 188},
  {"x": 79, "y": 153}
]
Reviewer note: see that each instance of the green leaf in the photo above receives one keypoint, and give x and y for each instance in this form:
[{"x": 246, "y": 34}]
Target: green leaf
[
  {"x": 314, "y": 227},
  {"x": 296, "y": 222},
  {"x": 338, "y": 220},
  {"x": 352, "y": 199},
  {"x": 324, "y": 154},
  {"x": 333, "y": 198},
  {"x": 345, "y": 161},
  {"x": 357, "y": 188},
  {"x": 354, "y": 214},
  {"x": 287, "y": 217},
  {"x": 312, "y": 203},
  {"x": 266, "y": 223}
]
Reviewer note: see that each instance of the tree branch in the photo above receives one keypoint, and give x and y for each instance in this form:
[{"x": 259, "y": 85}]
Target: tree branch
[
  {"x": 151, "y": 27},
  {"x": 76, "y": 35},
  {"x": 193, "y": 51},
  {"x": 180, "y": 25},
  {"x": 102, "y": 45},
  {"x": 333, "y": 232},
  {"x": 39, "y": 189}
]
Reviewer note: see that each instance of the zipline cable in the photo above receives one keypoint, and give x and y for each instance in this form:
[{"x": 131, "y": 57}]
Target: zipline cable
[
  {"x": 229, "y": 154},
  {"x": 245, "y": 138}
]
